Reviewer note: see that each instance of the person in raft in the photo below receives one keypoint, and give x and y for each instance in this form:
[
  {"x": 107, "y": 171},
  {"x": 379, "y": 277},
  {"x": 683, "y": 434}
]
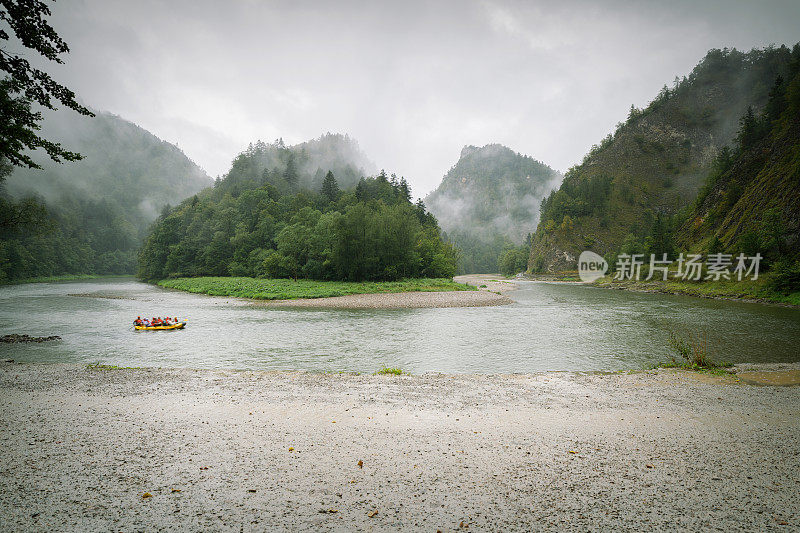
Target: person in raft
[{"x": 155, "y": 321}]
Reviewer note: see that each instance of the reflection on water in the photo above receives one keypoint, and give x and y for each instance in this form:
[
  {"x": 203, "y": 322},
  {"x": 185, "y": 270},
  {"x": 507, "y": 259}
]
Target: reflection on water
[{"x": 549, "y": 327}]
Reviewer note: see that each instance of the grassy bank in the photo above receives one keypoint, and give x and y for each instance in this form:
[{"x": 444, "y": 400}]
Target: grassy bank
[
  {"x": 566, "y": 275},
  {"x": 759, "y": 289},
  {"x": 68, "y": 277},
  {"x": 287, "y": 289}
]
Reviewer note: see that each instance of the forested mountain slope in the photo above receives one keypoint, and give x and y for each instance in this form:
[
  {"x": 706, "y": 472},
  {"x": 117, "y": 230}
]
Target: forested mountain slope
[
  {"x": 655, "y": 162},
  {"x": 490, "y": 200},
  {"x": 90, "y": 216},
  {"x": 272, "y": 217},
  {"x": 301, "y": 166},
  {"x": 751, "y": 201}
]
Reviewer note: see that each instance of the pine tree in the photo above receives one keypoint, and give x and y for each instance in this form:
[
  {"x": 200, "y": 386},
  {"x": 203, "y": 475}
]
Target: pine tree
[
  {"x": 405, "y": 190},
  {"x": 330, "y": 189},
  {"x": 361, "y": 190},
  {"x": 777, "y": 99},
  {"x": 748, "y": 129},
  {"x": 290, "y": 174}
]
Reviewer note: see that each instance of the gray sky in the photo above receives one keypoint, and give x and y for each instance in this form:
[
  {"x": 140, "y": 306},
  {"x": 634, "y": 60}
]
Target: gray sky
[{"x": 413, "y": 82}]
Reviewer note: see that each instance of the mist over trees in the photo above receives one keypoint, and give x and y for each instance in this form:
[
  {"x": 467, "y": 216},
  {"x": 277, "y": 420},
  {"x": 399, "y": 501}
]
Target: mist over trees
[
  {"x": 489, "y": 202},
  {"x": 302, "y": 166},
  {"x": 90, "y": 216},
  {"x": 261, "y": 221},
  {"x": 750, "y": 201},
  {"x": 631, "y": 185}
]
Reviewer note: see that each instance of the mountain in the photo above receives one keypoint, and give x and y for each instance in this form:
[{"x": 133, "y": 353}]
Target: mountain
[
  {"x": 751, "y": 200},
  {"x": 271, "y": 216},
  {"x": 301, "y": 166},
  {"x": 489, "y": 200},
  {"x": 655, "y": 162},
  {"x": 122, "y": 163},
  {"x": 90, "y": 216}
]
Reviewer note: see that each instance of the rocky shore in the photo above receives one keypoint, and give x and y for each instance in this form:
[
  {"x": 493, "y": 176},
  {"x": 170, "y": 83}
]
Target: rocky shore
[
  {"x": 98, "y": 448},
  {"x": 15, "y": 338}
]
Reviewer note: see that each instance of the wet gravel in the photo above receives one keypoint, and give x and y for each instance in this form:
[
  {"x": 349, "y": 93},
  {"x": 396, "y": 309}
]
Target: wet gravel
[
  {"x": 395, "y": 300},
  {"x": 151, "y": 449}
]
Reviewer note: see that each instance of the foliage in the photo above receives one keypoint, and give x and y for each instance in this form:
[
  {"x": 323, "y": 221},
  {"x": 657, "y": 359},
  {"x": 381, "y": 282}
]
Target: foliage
[
  {"x": 692, "y": 351},
  {"x": 287, "y": 289},
  {"x": 91, "y": 216},
  {"x": 477, "y": 254},
  {"x": 389, "y": 371},
  {"x": 641, "y": 180},
  {"x": 26, "y": 84},
  {"x": 248, "y": 227},
  {"x": 489, "y": 201},
  {"x": 750, "y": 202},
  {"x": 762, "y": 289},
  {"x": 296, "y": 168},
  {"x": 785, "y": 277},
  {"x": 515, "y": 258},
  {"x": 330, "y": 189}
]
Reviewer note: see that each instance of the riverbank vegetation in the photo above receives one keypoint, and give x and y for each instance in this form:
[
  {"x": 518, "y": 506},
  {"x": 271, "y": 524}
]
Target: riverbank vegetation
[
  {"x": 692, "y": 352},
  {"x": 767, "y": 288},
  {"x": 260, "y": 222},
  {"x": 59, "y": 279},
  {"x": 288, "y": 289},
  {"x": 390, "y": 371}
]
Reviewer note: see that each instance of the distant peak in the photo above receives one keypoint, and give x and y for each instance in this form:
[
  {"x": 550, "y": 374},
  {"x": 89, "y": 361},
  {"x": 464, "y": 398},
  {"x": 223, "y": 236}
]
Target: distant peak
[
  {"x": 468, "y": 150},
  {"x": 485, "y": 150}
]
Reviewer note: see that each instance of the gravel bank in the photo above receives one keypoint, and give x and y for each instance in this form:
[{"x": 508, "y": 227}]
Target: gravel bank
[
  {"x": 253, "y": 451},
  {"x": 395, "y": 300},
  {"x": 488, "y": 282}
]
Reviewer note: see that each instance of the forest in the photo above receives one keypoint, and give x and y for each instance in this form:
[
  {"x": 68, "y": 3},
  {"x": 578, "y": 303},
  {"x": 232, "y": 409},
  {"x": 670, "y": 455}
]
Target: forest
[
  {"x": 488, "y": 202},
  {"x": 88, "y": 216},
  {"x": 262, "y": 222},
  {"x": 645, "y": 187}
]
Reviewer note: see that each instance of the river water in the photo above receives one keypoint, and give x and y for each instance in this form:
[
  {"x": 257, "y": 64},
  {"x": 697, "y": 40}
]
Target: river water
[{"x": 548, "y": 327}]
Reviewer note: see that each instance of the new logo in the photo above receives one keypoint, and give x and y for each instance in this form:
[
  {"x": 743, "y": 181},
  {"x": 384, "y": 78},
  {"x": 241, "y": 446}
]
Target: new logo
[{"x": 591, "y": 266}]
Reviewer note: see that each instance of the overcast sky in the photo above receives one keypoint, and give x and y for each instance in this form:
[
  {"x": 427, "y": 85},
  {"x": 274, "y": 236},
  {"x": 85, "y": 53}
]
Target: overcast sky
[{"x": 413, "y": 82}]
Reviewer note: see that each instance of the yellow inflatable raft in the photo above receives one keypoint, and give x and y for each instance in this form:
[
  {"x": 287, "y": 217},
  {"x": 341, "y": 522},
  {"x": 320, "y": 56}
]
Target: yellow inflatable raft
[{"x": 179, "y": 325}]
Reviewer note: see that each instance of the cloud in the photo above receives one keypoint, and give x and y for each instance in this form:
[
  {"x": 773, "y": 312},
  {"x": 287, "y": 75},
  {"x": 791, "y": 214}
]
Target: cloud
[{"x": 413, "y": 82}]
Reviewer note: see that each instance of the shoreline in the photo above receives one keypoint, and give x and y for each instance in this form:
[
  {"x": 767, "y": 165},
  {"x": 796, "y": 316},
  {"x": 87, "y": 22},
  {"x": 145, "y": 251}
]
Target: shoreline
[
  {"x": 417, "y": 293},
  {"x": 461, "y": 291},
  {"x": 683, "y": 289},
  {"x": 690, "y": 290},
  {"x": 66, "y": 277},
  {"x": 393, "y": 300},
  {"x": 142, "y": 449}
]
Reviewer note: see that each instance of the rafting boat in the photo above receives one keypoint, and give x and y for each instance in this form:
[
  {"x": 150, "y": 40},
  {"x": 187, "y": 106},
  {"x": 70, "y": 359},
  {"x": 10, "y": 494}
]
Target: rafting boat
[{"x": 179, "y": 325}]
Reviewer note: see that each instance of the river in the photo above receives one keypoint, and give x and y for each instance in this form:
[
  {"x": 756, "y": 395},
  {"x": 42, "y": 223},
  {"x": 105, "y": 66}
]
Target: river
[{"x": 549, "y": 326}]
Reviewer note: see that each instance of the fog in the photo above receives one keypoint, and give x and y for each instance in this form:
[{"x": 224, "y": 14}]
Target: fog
[
  {"x": 413, "y": 82},
  {"x": 492, "y": 191}
]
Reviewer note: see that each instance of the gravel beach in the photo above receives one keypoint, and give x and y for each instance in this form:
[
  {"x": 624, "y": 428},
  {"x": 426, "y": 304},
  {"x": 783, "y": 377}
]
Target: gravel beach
[
  {"x": 151, "y": 449},
  {"x": 395, "y": 300}
]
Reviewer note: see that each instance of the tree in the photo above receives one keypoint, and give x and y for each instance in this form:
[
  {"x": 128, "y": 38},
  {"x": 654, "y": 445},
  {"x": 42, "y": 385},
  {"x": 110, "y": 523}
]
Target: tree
[
  {"x": 290, "y": 174},
  {"x": 659, "y": 242},
  {"x": 330, "y": 189},
  {"x": 748, "y": 129},
  {"x": 777, "y": 99},
  {"x": 405, "y": 190},
  {"x": 26, "y": 84}
]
